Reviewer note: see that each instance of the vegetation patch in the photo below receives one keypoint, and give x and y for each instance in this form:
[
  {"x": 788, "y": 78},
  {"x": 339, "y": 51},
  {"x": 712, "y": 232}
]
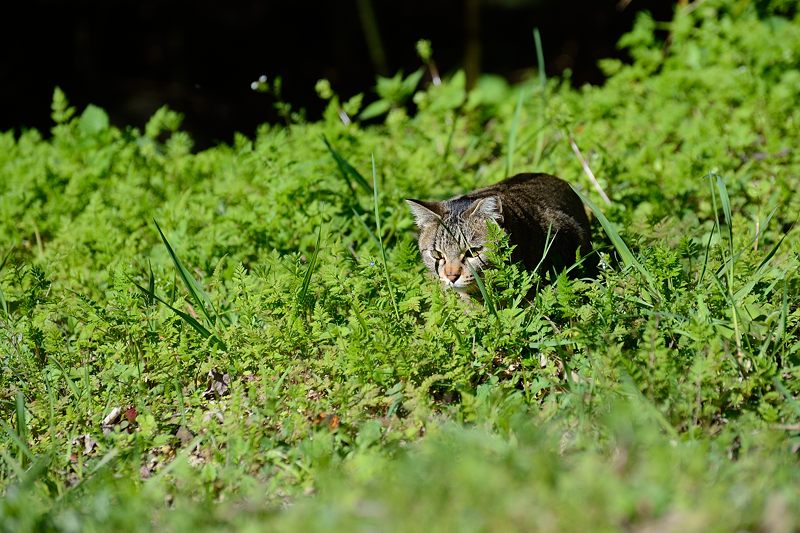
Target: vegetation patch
[{"x": 246, "y": 336}]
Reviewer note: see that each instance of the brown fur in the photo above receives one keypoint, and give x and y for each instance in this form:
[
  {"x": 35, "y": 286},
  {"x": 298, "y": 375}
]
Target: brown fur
[{"x": 452, "y": 234}]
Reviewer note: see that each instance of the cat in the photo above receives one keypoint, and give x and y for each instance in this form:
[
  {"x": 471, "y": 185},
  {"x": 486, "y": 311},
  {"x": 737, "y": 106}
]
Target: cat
[{"x": 453, "y": 233}]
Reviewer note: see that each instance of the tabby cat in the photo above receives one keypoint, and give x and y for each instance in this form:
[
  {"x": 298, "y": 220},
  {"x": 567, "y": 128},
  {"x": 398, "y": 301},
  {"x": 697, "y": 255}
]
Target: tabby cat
[{"x": 528, "y": 207}]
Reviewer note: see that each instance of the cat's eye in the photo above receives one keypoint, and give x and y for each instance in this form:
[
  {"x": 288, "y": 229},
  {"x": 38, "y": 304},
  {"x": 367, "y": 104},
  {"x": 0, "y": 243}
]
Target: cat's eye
[
  {"x": 473, "y": 251},
  {"x": 436, "y": 254}
]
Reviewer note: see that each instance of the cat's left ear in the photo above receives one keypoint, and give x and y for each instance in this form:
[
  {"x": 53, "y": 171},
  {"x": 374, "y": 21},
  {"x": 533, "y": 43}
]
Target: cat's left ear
[
  {"x": 425, "y": 213},
  {"x": 490, "y": 208}
]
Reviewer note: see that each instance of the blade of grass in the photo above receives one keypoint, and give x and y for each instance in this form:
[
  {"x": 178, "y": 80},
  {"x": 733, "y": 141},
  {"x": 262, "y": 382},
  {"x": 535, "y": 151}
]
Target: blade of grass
[
  {"x": 487, "y": 298},
  {"x": 726, "y": 209},
  {"x": 756, "y": 277},
  {"x": 776, "y": 333},
  {"x": 3, "y": 302},
  {"x": 380, "y": 237},
  {"x": 346, "y": 169},
  {"x": 181, "y": 401},
  {"x": 189, "y": 319},
  {"x": 450, "y": 135},
  {"x": 70, "y": 384},
  {"x": 22, "y": 447},
  {"x": 548, "y": 243},
  {"x": 151, "y": 283},
  {"x": 180, "y": 457},
  {"x": 633, "y": 393},
  {"x": 366, "y": 227},
  {"x": 586, "y": 168},
  {"x": 301, "y": 296},
  {"x": 112, "y": 453},
  {"x": 107, "y": 458},
  {"x": 705, "y": 257},
  {"x": 354, "y": 305},
  {"x": 537, "y": 155},
  {"x": 782, "y": 323},
  {"x": 5, "y": 258},
  {"x": 537, "y": 39},
  {"x": 753, "y": 243},
  {"x": 22, "y": 423},
  {"x": 790, "y": 399},
  {"x": 36, "y": 470},
  {"x": 195, "y": 290},
  {"x": 512, "y": 134},
  {"x": 12, "y": 464},
  {"x": 624, "y": 252}
]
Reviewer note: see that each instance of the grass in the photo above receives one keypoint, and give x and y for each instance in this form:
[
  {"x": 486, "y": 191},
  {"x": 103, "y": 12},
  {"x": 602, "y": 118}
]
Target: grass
[{"x": 271, "y": 353}]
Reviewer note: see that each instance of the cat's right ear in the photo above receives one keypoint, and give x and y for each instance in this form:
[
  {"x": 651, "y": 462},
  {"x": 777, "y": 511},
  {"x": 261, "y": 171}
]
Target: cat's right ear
[{"x": 425, "y": 213}]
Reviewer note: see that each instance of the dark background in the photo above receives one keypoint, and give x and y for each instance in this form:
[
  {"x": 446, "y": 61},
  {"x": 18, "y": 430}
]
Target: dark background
[{"x": 199, "y": 57}]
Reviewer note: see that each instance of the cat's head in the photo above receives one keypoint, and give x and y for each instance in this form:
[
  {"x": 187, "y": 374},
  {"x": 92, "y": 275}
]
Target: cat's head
[{"x": 453, "y": 237}]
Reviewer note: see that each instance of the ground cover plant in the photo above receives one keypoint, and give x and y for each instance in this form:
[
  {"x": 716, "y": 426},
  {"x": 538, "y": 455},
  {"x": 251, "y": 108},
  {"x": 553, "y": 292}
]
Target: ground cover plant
[{"x": 245, "y": 337}]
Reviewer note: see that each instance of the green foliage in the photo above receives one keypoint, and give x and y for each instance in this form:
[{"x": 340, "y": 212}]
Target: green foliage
[
  {"x": 275, "y": 335},
  {"x": 393, "y": 92}
]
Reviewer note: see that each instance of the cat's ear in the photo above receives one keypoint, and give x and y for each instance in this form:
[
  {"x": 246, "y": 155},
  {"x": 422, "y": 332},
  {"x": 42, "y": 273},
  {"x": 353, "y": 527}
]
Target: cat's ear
[
  {"x": 425, "y": 213},
  {"x": 489, "y": 208}
]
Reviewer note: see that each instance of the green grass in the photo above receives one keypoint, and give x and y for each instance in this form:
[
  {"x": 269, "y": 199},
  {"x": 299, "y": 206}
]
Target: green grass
[{"x": 271, "y": 353}]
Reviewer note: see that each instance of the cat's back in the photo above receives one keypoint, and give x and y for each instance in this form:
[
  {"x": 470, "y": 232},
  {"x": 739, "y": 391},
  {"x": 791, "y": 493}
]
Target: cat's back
[
  {"x": 531, "y": 192},
  {"x": 534, "y": 205}
]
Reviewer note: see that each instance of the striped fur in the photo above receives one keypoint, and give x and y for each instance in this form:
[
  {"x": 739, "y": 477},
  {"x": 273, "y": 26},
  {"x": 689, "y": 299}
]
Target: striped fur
[{"x": 452, "y": 234}]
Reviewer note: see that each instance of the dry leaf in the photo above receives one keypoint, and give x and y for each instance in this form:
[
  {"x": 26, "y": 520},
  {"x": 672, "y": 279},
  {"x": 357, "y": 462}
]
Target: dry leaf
[{"x": 218, "y": 384}]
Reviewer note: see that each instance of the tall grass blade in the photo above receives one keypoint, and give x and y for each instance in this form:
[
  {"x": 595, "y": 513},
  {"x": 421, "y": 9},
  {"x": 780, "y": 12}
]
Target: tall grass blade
[
  {"x": 450, "y": 136},
  {"x": 586, "y": 168},
  {"x": 12, "y": 463},
  {"x": 5, "y": 258},
  {"x": 705, "y": 257},
  {"x": 753, "y": 243},
  {"x": 151, "y": 285},
  {"x": 112, "y": 453},
  {"x": 538, "y": 154},
  {"x": 782, "y": 322},
  {"x": 726, "y": 209},
  {"x": 790, "y": 399},
  {"x": 371, "y": 234},
  {"x": 731, "y": 260},
  {"x": 622, "y": 249},
  {"x": 189, "y": 319},
  {"x": 512, "y": 134},
  {"x": 756, "y": 277},
  {"x": 179, "y": 460},
  {"x": 633, "y": 393},
  {"x": 537, "y": 39},
  {"x": 487, "y": 298},
  {"x": 70, "y": 384},
  {"x": 380, "y": 238},
  {"x": 716, "y": 211},
  {"x": 22, "y": 446},
  {"x": 549, "y": 239},
  {"x": 347, "y": 170},
  {"x": 195, "y": 290},
  {"x": 36, "y": 470},
  {"x": 301, "y": 296},
  {"x": 3, "y": 302},
  {"x": 22, "y": 423}
]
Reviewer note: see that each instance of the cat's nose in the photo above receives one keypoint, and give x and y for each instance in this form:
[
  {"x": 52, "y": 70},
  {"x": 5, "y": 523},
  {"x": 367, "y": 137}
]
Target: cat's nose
[{"x": 452, "y": 272}]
